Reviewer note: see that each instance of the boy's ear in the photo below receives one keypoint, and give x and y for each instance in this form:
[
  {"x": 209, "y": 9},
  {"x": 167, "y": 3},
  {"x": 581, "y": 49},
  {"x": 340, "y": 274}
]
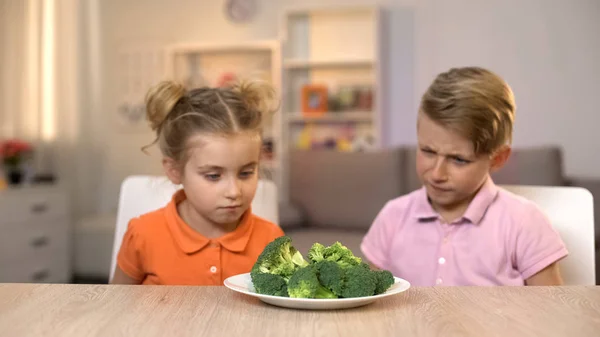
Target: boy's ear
[
  {"x": 500, "y": 157},
  {"x": 172, "y": 170}
]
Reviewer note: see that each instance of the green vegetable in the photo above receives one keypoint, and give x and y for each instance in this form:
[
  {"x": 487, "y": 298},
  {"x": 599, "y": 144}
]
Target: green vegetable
[
  {"x": 385, "y": 280},
  {"x": 336, "y": 253},
  {"x": 333, "y": 272},
  {"x": 305, "y": 284},
  {"x": 279, "y": 258}
]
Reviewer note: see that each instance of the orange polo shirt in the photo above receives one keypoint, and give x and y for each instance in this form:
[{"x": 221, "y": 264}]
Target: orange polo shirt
[{"x": 160, "y": 248}]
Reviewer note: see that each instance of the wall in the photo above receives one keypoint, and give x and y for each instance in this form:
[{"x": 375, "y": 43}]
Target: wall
[{"x": 547, "y": 52}]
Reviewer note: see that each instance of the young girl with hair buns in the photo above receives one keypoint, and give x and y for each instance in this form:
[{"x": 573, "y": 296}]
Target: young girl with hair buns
[{"x": 210, "y": 140}]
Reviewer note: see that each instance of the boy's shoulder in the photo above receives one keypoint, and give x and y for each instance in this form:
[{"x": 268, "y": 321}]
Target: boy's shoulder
[
  {"x": 519, "y": 209},
  {"x": 514, "y": 203}
]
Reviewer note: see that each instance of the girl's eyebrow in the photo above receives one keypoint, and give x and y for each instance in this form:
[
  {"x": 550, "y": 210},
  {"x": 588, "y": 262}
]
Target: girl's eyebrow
[
  {"x": 216, "y": 167},
  {"x": 210, "y": 167}
]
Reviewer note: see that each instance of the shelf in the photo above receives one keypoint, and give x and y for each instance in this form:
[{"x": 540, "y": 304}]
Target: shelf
[
  {"x": 305, "y": 64},
  {"x": 354, "y": 116}
]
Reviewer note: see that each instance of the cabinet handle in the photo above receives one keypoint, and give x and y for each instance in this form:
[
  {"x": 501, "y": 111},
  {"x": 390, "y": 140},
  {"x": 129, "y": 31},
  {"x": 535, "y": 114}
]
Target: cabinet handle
[
  {"x": 39, "y": 241},
  {"x": 40, "y": 275},
  {"x": 39, "y": 208}
]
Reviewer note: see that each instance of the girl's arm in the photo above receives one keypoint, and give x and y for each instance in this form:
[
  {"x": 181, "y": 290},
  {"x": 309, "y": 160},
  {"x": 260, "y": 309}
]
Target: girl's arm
[
  {"x": 549, "y": 276},
  {"x": 121, "y": 278}
]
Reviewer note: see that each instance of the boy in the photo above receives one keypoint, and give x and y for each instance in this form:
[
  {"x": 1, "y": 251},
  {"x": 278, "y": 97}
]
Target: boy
[{"x": 460, "y": 228}]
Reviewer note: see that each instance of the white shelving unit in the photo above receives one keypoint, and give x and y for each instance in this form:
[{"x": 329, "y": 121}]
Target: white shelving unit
[
  {"x": 197, "y": 65},
  {"x": 335, "y": 46}
]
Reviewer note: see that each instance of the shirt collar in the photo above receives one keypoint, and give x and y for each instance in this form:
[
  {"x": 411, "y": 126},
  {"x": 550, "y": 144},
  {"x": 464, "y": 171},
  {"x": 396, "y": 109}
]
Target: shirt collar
[
  {"x": 190, "y": 241},
  {"x": 475, "y": 211}
]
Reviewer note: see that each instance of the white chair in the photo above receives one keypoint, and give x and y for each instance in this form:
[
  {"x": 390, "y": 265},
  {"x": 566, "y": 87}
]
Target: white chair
[
  {"x": 143, "y": 194},
  {"x": 571, "y": 213}
]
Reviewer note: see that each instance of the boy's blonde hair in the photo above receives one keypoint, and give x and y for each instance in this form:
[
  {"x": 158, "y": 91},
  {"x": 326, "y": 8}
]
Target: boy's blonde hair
[
  {"x": 177, "y": 114},
  {"x": 475, "y": 103}
]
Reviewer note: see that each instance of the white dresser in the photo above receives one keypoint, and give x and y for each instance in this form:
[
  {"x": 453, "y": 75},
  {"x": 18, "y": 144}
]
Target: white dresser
[{"x": 35, "y": 235}]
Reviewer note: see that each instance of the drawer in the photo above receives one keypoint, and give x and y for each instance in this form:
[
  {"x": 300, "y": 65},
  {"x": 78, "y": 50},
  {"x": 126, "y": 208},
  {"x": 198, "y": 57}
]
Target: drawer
[
  {"x": 53, "y": 267},
  {"x": 33, "y": 240},
  {"x": 19, "y": 206}
]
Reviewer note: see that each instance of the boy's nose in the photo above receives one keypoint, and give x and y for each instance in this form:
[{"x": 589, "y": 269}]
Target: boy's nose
[{"x": 439, "y": 172}]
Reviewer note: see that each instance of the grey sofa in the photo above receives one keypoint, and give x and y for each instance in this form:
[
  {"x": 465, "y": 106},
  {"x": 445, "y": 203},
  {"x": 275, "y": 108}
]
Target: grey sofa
[{"x": 335, "y": 196}]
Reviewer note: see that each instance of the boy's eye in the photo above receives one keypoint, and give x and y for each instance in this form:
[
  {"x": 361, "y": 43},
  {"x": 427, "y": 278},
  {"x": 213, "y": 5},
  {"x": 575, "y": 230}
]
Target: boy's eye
[
  {"x": 427, "y": 151},
  {"x": 460, "y": 161}
]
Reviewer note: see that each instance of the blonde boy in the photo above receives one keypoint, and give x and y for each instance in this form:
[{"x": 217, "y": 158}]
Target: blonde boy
[{"x": 460, "y": 228}]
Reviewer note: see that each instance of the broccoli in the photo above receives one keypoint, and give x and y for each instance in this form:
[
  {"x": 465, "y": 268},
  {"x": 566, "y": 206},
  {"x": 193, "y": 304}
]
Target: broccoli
[
  {"x": 279, "y": 258},
  {"x": 346, "y": 282},
  {"x": 336, "y": 253},
  {"x": 333, "y": 272},
  {"x": 359, "y": 282},
  {"x": 331, "y": 276},
  {"x": 270, "y": 284},
  {"x": 315, "y": 253},
  {"x": 305, "y": 284},
  {"x": 384, "y": 280}
]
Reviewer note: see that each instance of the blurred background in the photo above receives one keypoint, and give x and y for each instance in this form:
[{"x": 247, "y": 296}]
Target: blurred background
[{"x": 73, "y": 74}]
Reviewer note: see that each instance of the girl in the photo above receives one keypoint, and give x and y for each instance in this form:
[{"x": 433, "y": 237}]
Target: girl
[{"x": 210, "y": 139}]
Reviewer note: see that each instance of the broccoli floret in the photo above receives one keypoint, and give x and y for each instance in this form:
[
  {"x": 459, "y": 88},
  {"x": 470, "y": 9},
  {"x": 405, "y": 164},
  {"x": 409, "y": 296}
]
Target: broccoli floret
[
  {"x": 331, "y": 276},
  {"x": 384, "y": 280},
  {"x": 280, "y": 258},
  {"x": 315, "y": 253},
  {"x": 359, "y": 282},
  {"x": 341, "y": 254},
  {"x": 270, "y": 284},
  {"x": 304, "y": 283}
]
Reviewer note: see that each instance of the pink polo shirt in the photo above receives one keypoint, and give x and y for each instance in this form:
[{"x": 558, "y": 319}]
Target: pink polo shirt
[{"x": 502, "y": 239}]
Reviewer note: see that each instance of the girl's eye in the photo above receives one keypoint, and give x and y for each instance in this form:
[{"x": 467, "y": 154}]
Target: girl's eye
[
  {"x": 212, "y": 177},
  {"x": 247, "y": 174}
]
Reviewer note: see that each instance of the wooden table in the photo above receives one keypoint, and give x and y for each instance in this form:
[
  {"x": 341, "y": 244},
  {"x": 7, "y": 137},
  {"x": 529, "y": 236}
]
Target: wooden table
[{"x": 102, "y": 310}]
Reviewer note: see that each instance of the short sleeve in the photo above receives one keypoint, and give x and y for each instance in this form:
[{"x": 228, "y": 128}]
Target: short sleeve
[
  {"x": 130, "y": 257},
  {"x": 276, "y": 232},
  {"x": 375, "y": 245},
  {"x": 538, "y": 245}
]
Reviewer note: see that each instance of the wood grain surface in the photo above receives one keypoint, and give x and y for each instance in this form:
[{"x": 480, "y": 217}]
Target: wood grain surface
[{"x": 110, "y": 310}]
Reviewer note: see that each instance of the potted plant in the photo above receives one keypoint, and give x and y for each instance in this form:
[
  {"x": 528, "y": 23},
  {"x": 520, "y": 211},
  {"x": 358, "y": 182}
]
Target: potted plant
[{"x": 13, "y": 154}]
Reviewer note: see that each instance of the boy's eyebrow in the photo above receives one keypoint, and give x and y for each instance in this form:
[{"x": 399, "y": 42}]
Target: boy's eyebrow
[{"x": 449, "y": 154}]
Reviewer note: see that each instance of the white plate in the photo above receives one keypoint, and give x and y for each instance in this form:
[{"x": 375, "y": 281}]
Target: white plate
[{"x": 242, "y": 283}]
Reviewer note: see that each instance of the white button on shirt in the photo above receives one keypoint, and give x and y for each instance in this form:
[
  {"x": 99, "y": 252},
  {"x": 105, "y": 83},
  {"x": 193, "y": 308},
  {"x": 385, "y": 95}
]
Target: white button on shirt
[
  {"x": 213, "y": 269},
  {"x": 441, "y": 260},
  {"x": 438, "y": 281}
]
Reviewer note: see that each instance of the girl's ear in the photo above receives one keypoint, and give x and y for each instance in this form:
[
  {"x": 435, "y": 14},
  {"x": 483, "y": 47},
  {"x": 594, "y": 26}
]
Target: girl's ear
[
  {"x": 500, "y": 158},
  {"x": 173, "y": 170}
]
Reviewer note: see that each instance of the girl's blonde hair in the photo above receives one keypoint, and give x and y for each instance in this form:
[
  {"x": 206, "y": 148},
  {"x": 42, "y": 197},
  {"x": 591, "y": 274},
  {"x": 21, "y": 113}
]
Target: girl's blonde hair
[
  {"x": 176, "y": 114},
  {"x": 474, "y": 102}
]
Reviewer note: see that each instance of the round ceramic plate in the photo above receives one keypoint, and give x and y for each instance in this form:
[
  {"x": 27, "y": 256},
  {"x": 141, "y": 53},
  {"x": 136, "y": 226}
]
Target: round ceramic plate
[{"x": 242, "y": 283}]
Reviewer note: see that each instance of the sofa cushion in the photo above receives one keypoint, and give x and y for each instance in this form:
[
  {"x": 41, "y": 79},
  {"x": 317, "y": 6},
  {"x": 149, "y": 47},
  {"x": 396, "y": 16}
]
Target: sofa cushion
[
  {"x": 337, "y": 189},
  {"x": 303, "y": 239},
  {"x": 532, "y": 166}
]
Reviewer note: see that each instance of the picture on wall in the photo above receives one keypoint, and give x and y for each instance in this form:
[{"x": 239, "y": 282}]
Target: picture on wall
[{"x": 314, "y": 99}]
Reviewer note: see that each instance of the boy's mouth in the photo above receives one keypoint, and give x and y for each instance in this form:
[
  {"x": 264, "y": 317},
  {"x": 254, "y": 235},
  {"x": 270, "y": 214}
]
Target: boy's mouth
[{"x": 439, "y": 188}]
